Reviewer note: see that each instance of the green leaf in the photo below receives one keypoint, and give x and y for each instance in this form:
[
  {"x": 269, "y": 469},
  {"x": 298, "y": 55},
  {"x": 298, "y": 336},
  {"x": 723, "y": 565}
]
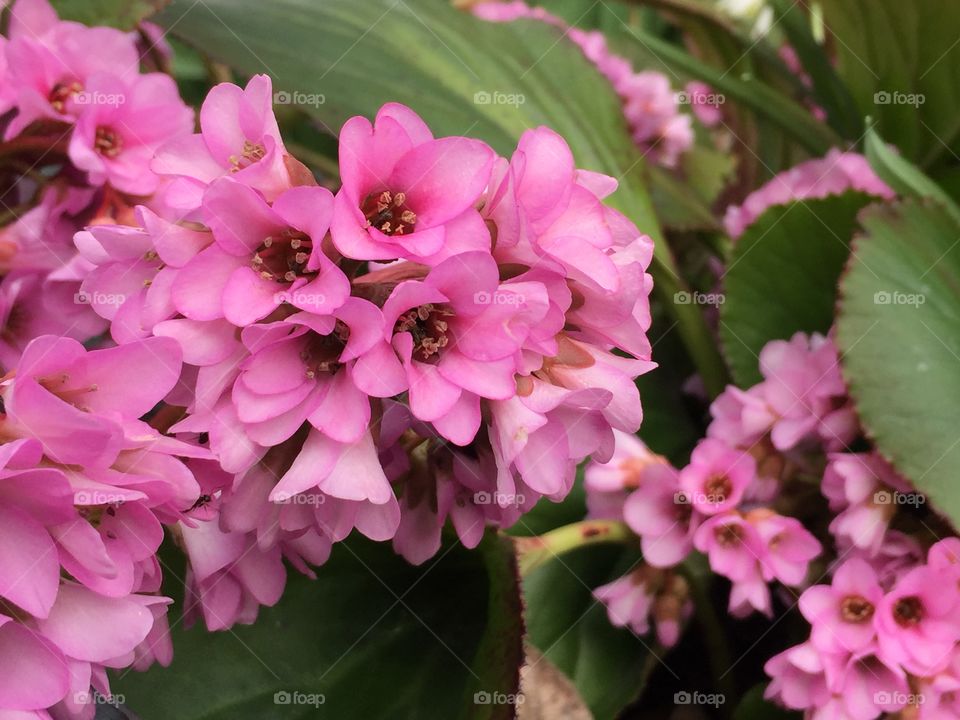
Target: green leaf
[
  {"x": 608, "y": 665},
  {"x": 376, "y": 637},
  {"x": 465, "y": 76},
  {"x": 899, "y": 335},
  {"x": 902, "y": 175},
  {"x": 123, "y": 14},
  {"x": 830, "y": 92},
  {"x": 901, "y": 62},
  {"x": 783, "y": 276}
]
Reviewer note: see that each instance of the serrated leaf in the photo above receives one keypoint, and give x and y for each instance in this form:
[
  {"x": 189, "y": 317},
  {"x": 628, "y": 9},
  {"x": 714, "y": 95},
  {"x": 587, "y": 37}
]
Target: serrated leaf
[{"x": 899, "y": 335}]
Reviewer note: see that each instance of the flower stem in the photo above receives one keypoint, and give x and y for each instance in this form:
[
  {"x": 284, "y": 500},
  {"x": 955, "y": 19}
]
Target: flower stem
[
  {"x": 534, "y": 551},
  {"x": 718, "y": 650}
]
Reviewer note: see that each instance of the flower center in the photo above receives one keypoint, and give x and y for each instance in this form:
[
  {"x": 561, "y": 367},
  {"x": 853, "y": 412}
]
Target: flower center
[
  {"x": 428, "y": 327},
  {"x": 717, "y": 488},
  {"x": 388, "y": 213},
  {"x": 321, "y": 355},
  {"x": 728, "y": 535},
  {"x": 283, "y": 258},
  {"x": 856, "y": 609},
  {"x": 62, "y": 92},
  {"x": 107, "y": 142},
  {"x": 908, "y": 611},
  {"x": 252, "y": 152}
]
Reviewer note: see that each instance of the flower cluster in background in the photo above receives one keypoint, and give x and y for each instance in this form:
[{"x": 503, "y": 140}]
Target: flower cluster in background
[
  {"x": 884, "y": 630},
  {"x": 650, "y": 104},
  {"x": 80, "y": 123}
]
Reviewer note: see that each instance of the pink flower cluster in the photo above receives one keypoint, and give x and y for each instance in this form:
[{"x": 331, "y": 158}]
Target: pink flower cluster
[
  {"x": 80, "y": 123},
  {"x": 86, "y": 488},
  {"x": 433, "y": 341},
  {"x": 834, "y": 174},
  {"x": 649, "y": 103},
  {"x": 723, "y": 503}
]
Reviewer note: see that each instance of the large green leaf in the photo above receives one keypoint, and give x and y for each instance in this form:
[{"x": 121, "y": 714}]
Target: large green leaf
[
  {"x": 899, "y": 334},
  {"x": 465, "y": 76},
  {"x": 124, "y": 14},
  {"x": 901, "y": 62},
  {"x": 376, "y": 637},
  {"x": 783, "y": 277},
  {"x": 608, "y": 665}
]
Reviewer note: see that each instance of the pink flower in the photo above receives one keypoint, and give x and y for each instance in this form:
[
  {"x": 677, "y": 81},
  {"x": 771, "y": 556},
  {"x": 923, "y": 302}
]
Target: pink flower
[
  {"x": 736, "y": 550},
  {"x": 799, "y": 678},
  {"x": 805, "y": 393},
  {"x": 458, "y": 333},
  {"x": 842, "y": 614},
  {"x": 609, "y": 484},
  {"x": 861, "y": 487},
  {"x": 629, "y": 600},
  {"x": 660, "y": 513},
  {"x": 717, "y": 477},
  {"x": 789, "y": 547},
  {"x": 834, "y": 174},
  {"x": 116, "y": 136},
  {"x": 263, "y": 256},
  {"x": 916, "y": 621},
  {"x": 406, "y": 194},
  {"x": 238, "y": 137},
  {"x": 50, "y": 64}
]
